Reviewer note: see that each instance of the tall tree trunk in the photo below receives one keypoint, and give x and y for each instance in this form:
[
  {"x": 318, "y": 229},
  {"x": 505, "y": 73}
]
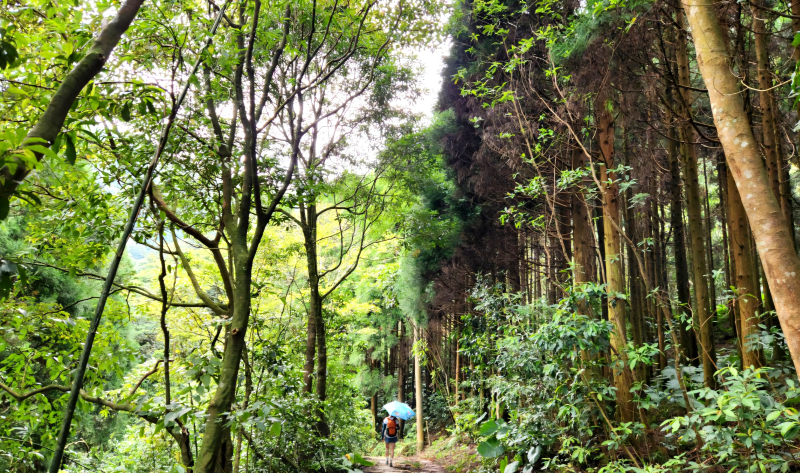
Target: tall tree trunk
[
  {"x": 583, "y": 256},
  {"x": 693, "y": 205},
  {"x": 309, "y": 229},
  {"x": 401, "y": 368},
  {"x": 659, "y": 271},
  {"x": 322, "y": 374},
  {"x": 772, "y": 236},
  {"x": 709, "y": 226},
  {"x": 688, "y": 339},
  {"x": 615, "y": 278},
  {"x": 745, "y": 278},
  {"x": 216, "y": 451},
  {"x": 768, "y": 136},
  {"x": 722, "y": 180},
  {"x": 418, "y": 392},
  {"x": 582, "y": 229},
  {"x": 601, "y": 262},
  {"x": 248, "y": 390}
]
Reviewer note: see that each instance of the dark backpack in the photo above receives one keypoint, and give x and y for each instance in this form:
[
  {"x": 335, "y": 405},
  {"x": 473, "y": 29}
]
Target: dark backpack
[{"x": 391, "y": 427}]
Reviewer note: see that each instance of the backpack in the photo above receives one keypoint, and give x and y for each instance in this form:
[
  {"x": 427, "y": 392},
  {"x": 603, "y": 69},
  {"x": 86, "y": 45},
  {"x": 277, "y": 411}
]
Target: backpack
[{"x": 391, "y": 427}]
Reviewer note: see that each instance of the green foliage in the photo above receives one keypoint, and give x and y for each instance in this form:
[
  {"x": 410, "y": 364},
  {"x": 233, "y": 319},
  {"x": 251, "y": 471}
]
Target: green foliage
[{"x": 541, "y": 365}]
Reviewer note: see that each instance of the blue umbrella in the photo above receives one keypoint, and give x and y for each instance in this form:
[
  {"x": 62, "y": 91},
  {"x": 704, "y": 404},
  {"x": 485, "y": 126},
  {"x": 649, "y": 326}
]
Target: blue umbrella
[{"x": 399, "y": 409}]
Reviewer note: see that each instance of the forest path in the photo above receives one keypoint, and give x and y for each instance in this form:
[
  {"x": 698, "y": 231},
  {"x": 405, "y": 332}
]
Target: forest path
[{"x": 402, "y": 464}]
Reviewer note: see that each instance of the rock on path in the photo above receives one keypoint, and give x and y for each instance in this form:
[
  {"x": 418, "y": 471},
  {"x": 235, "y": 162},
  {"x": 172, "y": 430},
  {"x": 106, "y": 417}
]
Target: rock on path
[{"x": 403, "y": 464}]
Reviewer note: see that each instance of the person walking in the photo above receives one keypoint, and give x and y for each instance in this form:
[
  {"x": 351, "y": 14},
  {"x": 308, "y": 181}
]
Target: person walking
[{"x": 389, "y": 435}]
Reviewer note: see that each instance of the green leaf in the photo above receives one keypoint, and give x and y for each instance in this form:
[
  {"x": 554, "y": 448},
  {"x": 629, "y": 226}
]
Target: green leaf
[
  {"x": 275, "y": 429},
  {"x": 42, "y": 150},
  {"x": 786, "y": 427},
  {"x": 491, "y": 448},
  {"x": 358, "y": 459},
  {"x": 534, "y": 454},
  {"x": 773, "y": 415},
  {"x": 512, "y": 467},
  {"x": 125, "y": 113},
  {"x": 488, "y": 428},
  {"x": 70, "y": 155}
]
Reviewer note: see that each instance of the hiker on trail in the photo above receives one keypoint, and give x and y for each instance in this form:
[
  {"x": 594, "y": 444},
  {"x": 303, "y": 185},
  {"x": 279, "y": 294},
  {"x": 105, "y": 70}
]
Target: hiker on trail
[{"x": 389, "y": 435}]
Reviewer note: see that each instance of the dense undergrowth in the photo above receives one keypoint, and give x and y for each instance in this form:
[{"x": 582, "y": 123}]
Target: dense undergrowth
[{"x": 545, "y": 402}]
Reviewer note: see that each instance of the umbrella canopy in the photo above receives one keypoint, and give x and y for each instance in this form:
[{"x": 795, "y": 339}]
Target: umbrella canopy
[{"x": 399, "y": 409}]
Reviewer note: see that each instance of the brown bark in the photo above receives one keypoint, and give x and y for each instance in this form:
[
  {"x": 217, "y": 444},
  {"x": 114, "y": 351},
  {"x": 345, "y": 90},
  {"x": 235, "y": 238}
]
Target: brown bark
[
  {"x": 248, "y": 390},
  {"x": 687, "y": 336},
  {"x": 722, "y": 180},
  {"x": 582, "y": 229},
  {"x": 771, "y": 234},
  {"x": 768, "y": 135},
  {"x": 418, "y": 392},
  {"x": 693, "y": 206},
  {"x": 745, "y": 282},
  {"x": 309, "y": 229},
  {"x": 659, "y": 271},
  {"x": 615, "y": 277}
]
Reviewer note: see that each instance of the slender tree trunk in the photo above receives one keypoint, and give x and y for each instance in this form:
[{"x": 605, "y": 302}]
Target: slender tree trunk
[
  {"x": 768, "y": 136},
  {"x": 688, "y": 339},
  {"x": 696, "y": 233},
  {"x": 709, "y": 225},
  {"x": 401, "y": 366},
  {"x": 722, "y": 179},
  {"x": 787, "y": 202},
  {"x": 373, "y": 407},
  {"x": 248, "y": 390},
  {"x": 418, "y": 392},
  {"x": 582, "y": 229},
  {"x": 601, "y": 262},
  {"x": 457, "y": 374},
  {"x": 745, "y": 280},
  {"x": 314, "y": 303},
  {"x": 614, "y": 272},
  {"x": 584, "y": 271},
  {"x": 771, "y": 233},
  {"x": 216, "y": 441},
  {"x": 659, "y": 271},
  {"x": 322, "y": 373}
]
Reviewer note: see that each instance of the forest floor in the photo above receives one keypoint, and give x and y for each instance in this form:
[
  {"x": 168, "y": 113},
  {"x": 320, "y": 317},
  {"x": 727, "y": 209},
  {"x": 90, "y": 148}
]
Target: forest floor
[
  {"x": 414, "y": 464},
  {"x": 443, "y": 455}
]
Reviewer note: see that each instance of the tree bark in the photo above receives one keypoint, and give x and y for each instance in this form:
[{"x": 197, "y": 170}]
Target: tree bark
[
  {"x": 696, "y": 233},
  {"x": 309, "y": 229},
  {"x": 615, "y": 277},
  {"x": 688, "y": 339},
  {"x": 418, "y": 392},
  {"x": 722, "y": 180},
  {"x": 772, "y": 235},
  {"x": 745, "y": 282},
  {"x": 582, "y": 229},
  {"x": 658, "y": 273},
  {"x": 248, "y": 390},
  {"x": 768, "y": 136}
]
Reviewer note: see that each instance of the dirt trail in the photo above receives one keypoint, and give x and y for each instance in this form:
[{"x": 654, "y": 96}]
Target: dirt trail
[{"x": 403, "y": 464}]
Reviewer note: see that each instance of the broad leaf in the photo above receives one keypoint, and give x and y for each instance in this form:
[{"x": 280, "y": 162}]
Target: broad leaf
[{"x": 491, "y": 448}]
